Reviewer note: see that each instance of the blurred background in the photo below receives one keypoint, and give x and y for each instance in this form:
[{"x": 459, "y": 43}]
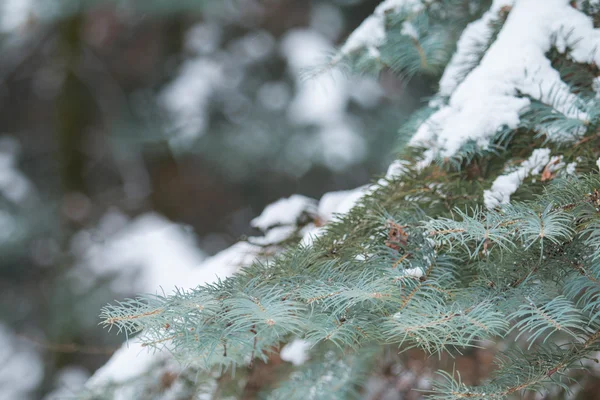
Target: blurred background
[{"x": 144, "y": 135}]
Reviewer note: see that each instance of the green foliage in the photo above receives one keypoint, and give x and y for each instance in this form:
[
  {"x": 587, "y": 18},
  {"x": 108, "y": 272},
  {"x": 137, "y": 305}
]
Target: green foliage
[
  {"x": 429, "y": 45},
  {"x": 418, "y": 263},
  {"x": 327, "y": 296}
]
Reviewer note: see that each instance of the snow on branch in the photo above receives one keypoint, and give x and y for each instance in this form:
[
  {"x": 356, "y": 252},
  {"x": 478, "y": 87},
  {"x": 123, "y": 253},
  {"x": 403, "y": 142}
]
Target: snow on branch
[
  {"x": 514, "y": 70},
  {"x": 167, "y": 257},
  {"x": 540, "y": 162},
  {"x": 505, "y": 185},
  {"x": 371, "y": 33},
  {"x": 284, "y": 212},
  {"x": 469, "y": 49}
]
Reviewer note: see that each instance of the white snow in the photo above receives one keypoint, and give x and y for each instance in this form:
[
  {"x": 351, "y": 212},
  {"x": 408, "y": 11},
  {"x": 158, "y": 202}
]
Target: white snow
[
  {"x": 148, "y": 253},
  {"x": 371, "y": 33},
  {"x": 226, "y": 262},
  {"x": 340, "y": 202},
  {"x": 274, "y": 236},
  {"x": 21, "y": 368},
  {"x": 132, "y": 360},
  {"x": 475, "y": 35},
  {"x": 598, "y": 163},
  {"x": 335, "y": 204},
  {"x": 127, "y": 363},
  {"x": 187, "y": 97},
  {"x": 570, "y": 169},
  {"x": 596, "y": 86},
  {"x": 332, "y": 205},
  {"x": 69, "y": 382},
  {"x": 409, "y": 29},
  {"x": 416, "y": 272},
  {"x": 151, "y": 254},
  {"x": 167, "y": 256},
  {"x": 396, "y": 169},
  {"x": 505, "y": 185},
  {"x": 310, "y": 235},
  {"x": 487, "y": 98},
  {"x": 295, "y": 352},
  {"x": 284, "y": 212},
  {"x": 556, "y": 163}
]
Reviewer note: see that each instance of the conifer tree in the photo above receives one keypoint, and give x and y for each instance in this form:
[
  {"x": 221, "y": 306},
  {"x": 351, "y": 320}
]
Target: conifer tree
[{"x": 485, "y": 232}]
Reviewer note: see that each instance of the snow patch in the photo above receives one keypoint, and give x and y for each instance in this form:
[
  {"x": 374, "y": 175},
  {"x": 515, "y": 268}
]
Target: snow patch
[
  {"x": 332, "y": 205},
  {"x": 596, "y": 86},
  {"x": 167, "y": 253},
  {"x": 505, "y": 185},
  {"x": 486, "y": 100},
  {"x": 409, "y": 29},
  {"x": 274, "y": 236},
  {"x": 69, "y": 382},
  {"x": 187, "y": 98},
  {"x": 416, "y": 272},
  {"x": 295, "y": 352},
  {"x": 284, "y": 212},
  {"x": 340, "y": 202},
  {"x": 148, "y": 253},
  {"x": 127, "y": 363},
  {"x": 396, "y": 169},
  {"x": 133, "y": 360},
  {"x": 371, "y": 33},
  {"x": 336, "y": 204},
  {"x": 469, "y": 47}
]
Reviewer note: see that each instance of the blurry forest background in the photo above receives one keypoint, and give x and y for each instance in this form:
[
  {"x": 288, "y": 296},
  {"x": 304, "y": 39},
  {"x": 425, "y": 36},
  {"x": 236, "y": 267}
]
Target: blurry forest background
[{"x": 138, "y": 136}]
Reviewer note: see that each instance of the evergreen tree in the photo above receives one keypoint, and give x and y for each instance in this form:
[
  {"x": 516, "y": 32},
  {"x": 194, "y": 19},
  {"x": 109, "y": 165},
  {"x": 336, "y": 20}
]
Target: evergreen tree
[{"x": 485, "y": 232}]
